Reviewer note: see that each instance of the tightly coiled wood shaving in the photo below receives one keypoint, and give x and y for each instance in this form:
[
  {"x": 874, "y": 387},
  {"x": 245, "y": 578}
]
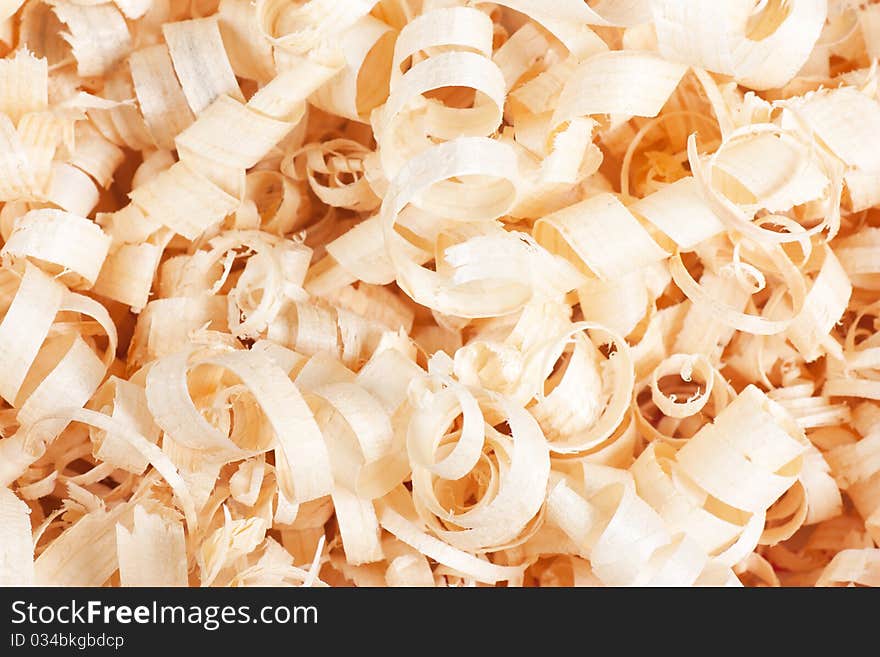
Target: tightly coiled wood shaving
[{"x": 440, "y": 293}]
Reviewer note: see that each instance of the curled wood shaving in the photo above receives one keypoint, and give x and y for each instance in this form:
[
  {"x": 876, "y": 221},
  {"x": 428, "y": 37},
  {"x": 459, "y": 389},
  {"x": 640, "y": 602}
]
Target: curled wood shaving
[{"x": 397, "y": 293}]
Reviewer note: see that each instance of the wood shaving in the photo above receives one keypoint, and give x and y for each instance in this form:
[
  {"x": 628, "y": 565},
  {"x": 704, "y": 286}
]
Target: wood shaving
[{"x": 440, "y": 293}]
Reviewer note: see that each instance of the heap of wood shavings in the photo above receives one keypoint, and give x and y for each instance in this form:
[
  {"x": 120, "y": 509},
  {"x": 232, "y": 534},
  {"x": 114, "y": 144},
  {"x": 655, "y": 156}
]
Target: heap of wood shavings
[{"x": 439, "y": 293}]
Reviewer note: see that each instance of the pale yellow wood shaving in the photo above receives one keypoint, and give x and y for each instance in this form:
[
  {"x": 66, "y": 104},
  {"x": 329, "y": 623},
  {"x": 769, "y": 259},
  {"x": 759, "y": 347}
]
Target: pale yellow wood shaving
[
  {"x": 153, "y": 553},
  {"x": 200, "y": 61},
  {"x": 452, "y": 293},
  {"x": 68, "y": 242},
  {"x": 17, "y": 551},
  {"x": 98, "y": 35}
]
